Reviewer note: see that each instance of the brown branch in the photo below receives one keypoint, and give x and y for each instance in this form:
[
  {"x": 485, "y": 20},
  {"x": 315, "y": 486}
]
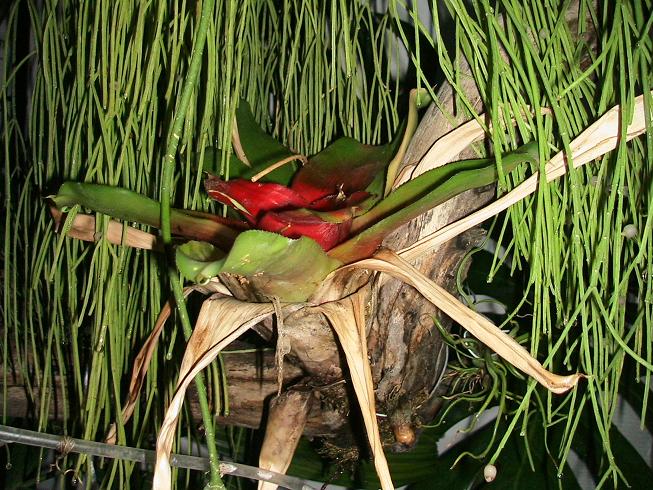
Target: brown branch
[{"x": 252, "y": 380}]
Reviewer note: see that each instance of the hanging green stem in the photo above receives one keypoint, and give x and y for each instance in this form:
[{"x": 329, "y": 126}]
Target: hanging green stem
[
  {"x": 214, "y": 463},
  {"x": 166, "y": 186},
  {"x": 178, "y": 123}
]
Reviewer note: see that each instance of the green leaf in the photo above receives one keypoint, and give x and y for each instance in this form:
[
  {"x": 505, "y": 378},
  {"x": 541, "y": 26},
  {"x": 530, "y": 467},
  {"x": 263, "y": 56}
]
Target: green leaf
[
  {"x": 261, "y": 151},
  {"x": 277, "y": 266},
  {"x": 128, "y": 205},
  {"x": 260, "y": 148},
  {"x": 198, "y": 261},
  {"x": 274, "y": 265},
  {"x": 420, "y": 195}
]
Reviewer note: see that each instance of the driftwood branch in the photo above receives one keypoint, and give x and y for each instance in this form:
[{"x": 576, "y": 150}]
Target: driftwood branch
[{"x": 252, "y": 381}]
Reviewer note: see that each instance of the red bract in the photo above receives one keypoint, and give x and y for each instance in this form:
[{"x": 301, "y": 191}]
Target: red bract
[
  {"x": 322, "y": 179},
  {"x": 326, "y": 218},
  {"x": 303, "y": 222},
  {"x": 252, "y": 199}
]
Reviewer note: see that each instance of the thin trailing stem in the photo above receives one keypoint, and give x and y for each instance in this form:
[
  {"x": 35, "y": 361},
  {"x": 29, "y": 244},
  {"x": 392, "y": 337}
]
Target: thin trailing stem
[
  {"x": 166, "y": 188},
  {"x": 180, "y": 116}
]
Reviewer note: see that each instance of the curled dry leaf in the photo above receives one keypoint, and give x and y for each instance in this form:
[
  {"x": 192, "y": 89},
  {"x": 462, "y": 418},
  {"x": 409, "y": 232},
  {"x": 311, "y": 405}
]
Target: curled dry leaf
[
  {"x": 479, "y": 326},
  {"x": 142, "y": 360},
  {"x": 258, "y": 176},
  {"x": 236, "y": 144},
  {"x": 347, "y": 317},
  {"x": 600, "y": 138},
  {"x": 220, "y": 321}
]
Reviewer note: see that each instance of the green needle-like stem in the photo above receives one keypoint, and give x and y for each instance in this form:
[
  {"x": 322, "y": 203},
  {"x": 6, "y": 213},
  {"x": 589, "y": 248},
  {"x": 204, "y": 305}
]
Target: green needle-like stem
[
  {"x": 214, "y": 463},
  {"x": 180, "y": 116},
  {"x": 166, "y": 187}
]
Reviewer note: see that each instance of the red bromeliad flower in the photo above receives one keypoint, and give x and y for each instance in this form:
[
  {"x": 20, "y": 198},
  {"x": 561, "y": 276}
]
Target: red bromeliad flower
[
  {"x": 324, "y": 214},
  {"x": 319, "y": 201},
  {"x": 303, "y": 222}
]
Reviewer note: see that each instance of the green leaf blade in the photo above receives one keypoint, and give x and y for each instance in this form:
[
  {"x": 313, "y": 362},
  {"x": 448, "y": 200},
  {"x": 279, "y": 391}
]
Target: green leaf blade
[
  {"x": 272, "y": 265},
  {"x": 420, "y": 195},
  {"x": 280, "y": 267},
  {"x": 128, "y": 205}
]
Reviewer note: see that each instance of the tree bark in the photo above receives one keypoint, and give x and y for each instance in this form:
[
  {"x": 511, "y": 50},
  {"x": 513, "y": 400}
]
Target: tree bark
[{"x": 252, "y": 381}]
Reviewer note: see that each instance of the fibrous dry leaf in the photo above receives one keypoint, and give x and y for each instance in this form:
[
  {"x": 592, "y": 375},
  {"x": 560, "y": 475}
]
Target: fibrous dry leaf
[
  {"x": 479, "y": 326},
  {"x": 285, "y": 425},
  {"x": 347, "y": 317},
  {"x": 221, "y": 320}
]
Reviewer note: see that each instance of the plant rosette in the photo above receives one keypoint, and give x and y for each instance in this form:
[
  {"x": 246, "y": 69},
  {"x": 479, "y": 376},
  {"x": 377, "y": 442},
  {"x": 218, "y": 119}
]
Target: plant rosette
[{"x": 303, "y": 246}]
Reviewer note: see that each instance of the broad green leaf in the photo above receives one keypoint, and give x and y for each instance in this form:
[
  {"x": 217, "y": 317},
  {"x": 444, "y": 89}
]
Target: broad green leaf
[
  {"x": 420, "y": 195},
  {"x": 276, "y": 266},
  {"x": 239, "y": 170},
  {"x": 128, "y": 205},
  {"x": 260, "y": 148},
  {"x": 261, "y": 151}
]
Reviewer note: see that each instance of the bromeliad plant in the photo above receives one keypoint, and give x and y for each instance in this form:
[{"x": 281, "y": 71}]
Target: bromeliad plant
[{"x": 306, "y": 240}]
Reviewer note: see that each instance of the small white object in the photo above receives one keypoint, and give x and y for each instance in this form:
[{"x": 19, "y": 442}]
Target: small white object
[
  {"x": 629, "y": 231},
  {"x": 489, "y": 472},
  {"x": 226, "y": 468}
]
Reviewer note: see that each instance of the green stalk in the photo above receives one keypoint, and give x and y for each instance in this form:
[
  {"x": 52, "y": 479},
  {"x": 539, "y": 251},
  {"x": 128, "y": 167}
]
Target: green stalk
[
  {"x": 166, "y": 186},
  {"x": 214, "y": 463},
  {"x": 180, "y": 116}
]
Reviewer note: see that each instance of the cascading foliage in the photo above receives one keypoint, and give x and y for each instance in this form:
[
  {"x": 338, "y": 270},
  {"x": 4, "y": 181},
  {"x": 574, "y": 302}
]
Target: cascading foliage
[
  {"x": 107, "y": 78},
  {"x": 94, "y": 102}
]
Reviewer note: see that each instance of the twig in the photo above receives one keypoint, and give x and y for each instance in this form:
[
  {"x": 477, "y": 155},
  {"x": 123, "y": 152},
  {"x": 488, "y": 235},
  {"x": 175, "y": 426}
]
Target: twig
[{"x": 68, "y": 444}]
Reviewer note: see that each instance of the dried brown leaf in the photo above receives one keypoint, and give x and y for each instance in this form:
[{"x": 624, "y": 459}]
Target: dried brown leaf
[
  {"x": 142, "y": 360},
  {"x": 221, "y": 320},
  {"x": 83, "y": 228},
  {"x": 236, "y": 144},
  {"x": 285, "y": 425},
  {"x": 347, "y": 317},
  {"x": 479, "y": 326}
]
